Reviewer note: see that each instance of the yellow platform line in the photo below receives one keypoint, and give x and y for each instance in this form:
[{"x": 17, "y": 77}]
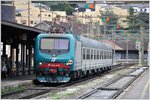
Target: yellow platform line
[{"x": 144, "y": 91}]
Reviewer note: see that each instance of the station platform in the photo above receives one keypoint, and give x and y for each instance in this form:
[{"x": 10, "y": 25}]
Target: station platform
[
  {"x": 17, "y": 80},
  {"x": 139, "y": 89}
]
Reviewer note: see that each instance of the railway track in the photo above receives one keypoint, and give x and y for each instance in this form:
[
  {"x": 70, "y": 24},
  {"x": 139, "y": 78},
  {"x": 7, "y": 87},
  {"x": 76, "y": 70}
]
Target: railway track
[
  {"x": 113, "y": 88},
  {"x": 40, "y": 90}
]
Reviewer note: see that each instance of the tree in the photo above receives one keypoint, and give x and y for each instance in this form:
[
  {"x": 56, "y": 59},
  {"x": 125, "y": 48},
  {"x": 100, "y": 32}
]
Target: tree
[
  {"x": 62, "y": 7},
  {"x": 136, "y": 19},
  {"x": 57, "y": 6}
]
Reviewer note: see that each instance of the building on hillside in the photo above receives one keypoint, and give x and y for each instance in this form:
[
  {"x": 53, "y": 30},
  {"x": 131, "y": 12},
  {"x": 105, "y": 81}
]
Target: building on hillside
[
  {"x": 29, "y": 13},
  {"x": 86, "y": 16},
  {"x": 76, "y": 28},
  {"x": 141, "y": 9}
]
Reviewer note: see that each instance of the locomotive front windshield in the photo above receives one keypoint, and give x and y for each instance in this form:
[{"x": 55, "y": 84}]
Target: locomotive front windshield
[{"x": 54, "y": 44}]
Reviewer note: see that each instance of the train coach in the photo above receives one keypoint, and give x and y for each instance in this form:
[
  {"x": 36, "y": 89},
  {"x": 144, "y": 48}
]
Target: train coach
[{"x": 60, "y": 58}]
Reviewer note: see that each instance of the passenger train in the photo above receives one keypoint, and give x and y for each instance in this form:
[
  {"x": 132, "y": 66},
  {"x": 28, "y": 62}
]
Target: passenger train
[{"x": 60, "y": 58}]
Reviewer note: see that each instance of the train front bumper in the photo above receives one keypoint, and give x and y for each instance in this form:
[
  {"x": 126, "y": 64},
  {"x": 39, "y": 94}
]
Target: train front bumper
[{"x": 58, "y": 79}]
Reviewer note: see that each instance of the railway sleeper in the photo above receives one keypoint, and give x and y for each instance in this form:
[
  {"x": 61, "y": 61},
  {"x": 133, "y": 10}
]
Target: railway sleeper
[
  {"x": 129, "y": 75},
  {"x": 109, "y": 89}
]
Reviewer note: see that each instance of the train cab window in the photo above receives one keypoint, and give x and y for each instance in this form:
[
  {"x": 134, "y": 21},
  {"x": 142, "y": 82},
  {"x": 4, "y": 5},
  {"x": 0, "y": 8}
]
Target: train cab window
[
  {"x": 54, "y": 45},
  {"x": 91, "y": 53},
  {"x": 84, "y": 53}
]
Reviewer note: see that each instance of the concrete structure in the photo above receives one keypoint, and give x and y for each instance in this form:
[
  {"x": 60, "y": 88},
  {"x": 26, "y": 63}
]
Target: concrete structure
[
  {"x": 133, "y": 53},
  {"x": 138, "y": 89},
  {"x": 8, "y": 13},
  {"x": 20, "y": 39},
  {"x": 28, "y": 13}
]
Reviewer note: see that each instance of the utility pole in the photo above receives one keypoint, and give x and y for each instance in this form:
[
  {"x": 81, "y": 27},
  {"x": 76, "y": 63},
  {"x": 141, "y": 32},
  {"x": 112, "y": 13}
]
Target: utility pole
[
  {"x": 104, "y": 31},
  {"x": 40, "y": 15},
  {"x": 98, "y": 30},
  {"x": 127, "y": 50},
  {"x": 82, "y": 23},
  {"x": 114, "y": 51},
  {"x": 149, "y": 51},
  {"x": 28, "y": 13},
  {"x": 141, "y": 48},
  {"x": 13, "y": 3}
]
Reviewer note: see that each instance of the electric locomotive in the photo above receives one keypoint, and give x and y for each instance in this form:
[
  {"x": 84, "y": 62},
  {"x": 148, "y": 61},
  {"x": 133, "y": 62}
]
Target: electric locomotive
[{"x": 60, "y": 58}]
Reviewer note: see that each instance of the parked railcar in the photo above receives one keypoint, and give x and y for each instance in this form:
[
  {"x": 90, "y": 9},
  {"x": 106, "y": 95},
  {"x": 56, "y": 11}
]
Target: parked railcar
[{"x": 60, "y": 58}]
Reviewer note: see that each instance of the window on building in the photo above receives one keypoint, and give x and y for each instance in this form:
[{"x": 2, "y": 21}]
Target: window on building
[
  {"x": 24, "y": 22},
  {"x": 45, "y": 14},
  {"x": 39, "y": 15},
  {"x": 18, "y": 14},
  {"x": 145, "y": 10},
  {"x": 49, "y": 15},
  {"x": 31, "y": 21}
]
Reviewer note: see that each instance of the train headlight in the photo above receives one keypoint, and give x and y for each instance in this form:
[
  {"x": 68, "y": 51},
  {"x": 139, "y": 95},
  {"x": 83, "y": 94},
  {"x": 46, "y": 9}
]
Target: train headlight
[
  {"x": 40, "y": 63},
  {"x": 67, "y": 63},
  {"x": 70, "y": 62}
]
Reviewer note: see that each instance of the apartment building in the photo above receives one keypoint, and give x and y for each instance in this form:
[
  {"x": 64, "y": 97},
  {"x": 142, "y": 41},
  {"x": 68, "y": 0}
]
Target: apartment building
[
  {"x": 30, "y": 14},
  {"x": 94, "y": 16}
]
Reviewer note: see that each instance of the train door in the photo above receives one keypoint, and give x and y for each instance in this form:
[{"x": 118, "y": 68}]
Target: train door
[{"x": 78, "y": 55}]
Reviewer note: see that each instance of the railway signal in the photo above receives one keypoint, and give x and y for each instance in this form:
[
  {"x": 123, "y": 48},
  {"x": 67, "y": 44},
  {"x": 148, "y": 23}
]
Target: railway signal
[{"x": 137, "y": 46}]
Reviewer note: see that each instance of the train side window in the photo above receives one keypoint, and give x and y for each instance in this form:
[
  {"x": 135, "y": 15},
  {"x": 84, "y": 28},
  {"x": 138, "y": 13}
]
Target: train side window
[
  {"x": 88, "y": 54},
  {"x": 83, "y": 53},
  {"x": 103, "y": 54},
  {"x": 97, "y": 54},
  {"x": 91, "y": 53},
  {"x": 106, "y": 54},
  {"x": 94, "y": 54},
  {"x": 100, "y": 54},
  {"x": 110, "y": 55}
]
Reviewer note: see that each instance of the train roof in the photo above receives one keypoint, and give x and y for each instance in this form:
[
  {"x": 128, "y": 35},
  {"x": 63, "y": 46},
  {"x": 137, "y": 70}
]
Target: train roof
[
  {"x": 94, "y": 43},
  {"x": 87, "y": 42}
]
